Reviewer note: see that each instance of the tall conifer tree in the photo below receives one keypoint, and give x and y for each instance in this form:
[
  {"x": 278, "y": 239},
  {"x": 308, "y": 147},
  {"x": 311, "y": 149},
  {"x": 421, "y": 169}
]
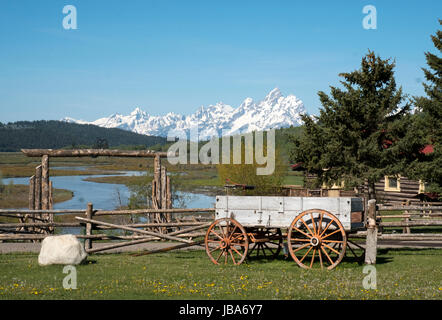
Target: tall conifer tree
[
  {"x": 353, "y": 138},
  {"x": 426, "y": 132}
]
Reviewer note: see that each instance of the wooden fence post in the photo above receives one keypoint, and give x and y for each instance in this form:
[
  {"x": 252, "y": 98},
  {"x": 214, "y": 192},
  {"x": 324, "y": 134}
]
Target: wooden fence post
[
  {"x": 372, "y": 234},
  {"x": 156, "y": 188},
  {"x": 37, "y": 198},
  {"x": 169, "y": 199},
  {"x": 31, "y": 201},
  {"x": 45, "y": 192},
  {"x": 406, "y": 219},
  {"x": 163, "y": 188},
  {"x": 89, "y": 215},
  {"x": 45, "y": 182},
  {"x": 51, "y": 197},
  {"x": 32, "y": 193}
]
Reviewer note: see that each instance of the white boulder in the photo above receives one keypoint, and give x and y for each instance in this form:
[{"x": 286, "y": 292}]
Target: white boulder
[{"x": 64, "y": 249}]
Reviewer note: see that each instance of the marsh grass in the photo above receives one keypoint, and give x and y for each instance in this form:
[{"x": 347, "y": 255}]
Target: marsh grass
[{"x": 16, "y": 196}]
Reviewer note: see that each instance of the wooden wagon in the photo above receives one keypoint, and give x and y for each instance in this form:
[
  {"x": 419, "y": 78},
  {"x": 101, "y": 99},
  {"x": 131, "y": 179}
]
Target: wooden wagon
[{"x": 315, "y": 229}]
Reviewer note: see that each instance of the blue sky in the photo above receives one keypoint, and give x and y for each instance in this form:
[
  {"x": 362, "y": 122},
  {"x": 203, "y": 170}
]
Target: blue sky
[{"x": 174, "y": 56}]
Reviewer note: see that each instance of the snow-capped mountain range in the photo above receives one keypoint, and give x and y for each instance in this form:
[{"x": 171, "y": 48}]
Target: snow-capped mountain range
[{"x": 274, "y": 111}]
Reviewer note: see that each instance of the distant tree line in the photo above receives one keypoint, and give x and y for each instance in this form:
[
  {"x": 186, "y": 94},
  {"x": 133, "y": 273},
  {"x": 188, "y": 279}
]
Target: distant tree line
[{"x": 58, "y": 134}]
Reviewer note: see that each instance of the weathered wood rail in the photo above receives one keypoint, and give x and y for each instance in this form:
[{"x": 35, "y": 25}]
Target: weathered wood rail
[
  {"x": 182, "y": 231},
  {"x": 93, "y": 153}
]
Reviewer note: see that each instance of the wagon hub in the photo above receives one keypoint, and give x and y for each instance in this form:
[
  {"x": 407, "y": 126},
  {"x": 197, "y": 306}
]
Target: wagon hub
[
  {"x": 225, "y": 243},
  {"x": 315, "y": 242}
]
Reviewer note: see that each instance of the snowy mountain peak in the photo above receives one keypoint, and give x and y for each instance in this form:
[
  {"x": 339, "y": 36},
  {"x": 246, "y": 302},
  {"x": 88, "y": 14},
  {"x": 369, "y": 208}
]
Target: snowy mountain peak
[
  {"x": 246, "y": 103},
  {"x": 136, "y": 111},
  {"x": 273, "y": 96},
  {"x": 274, "y": 111}
]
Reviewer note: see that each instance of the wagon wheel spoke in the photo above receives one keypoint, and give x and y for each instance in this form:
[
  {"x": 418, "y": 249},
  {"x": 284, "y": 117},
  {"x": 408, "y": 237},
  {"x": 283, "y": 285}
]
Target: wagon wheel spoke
[
  {"x": 231, "y": 254},
  {"x": 351, "y": 249},
  {"x": 301, "y": 247},
  {"x": 306, "y": 226},
  {"x": 320, "y": 223},
  {"x": 313, "y": 223},
  {"x": 212, "y": 231},
  {"x": 320, "y": 258},
  {"x": 358, "y": 257},
  {"x": 328, "y": 235},
  {"x": 269, "y": 248},
  {"x": 233, "y": 231},
  {"x": 220, "y": 254},
  {"x": 328, "y": 257},
  {"x": 357, "y": 245},
  {"x": 237, "y": 251},
  {"x": 306, "y": 254},
  {"x": 302, "y": 232},
  {"x": 326, "y": 227},
  {"x": 218, "y": 247},
  {"x": 331, "y": 249},
  {"x": 298, "y": 239},
  {"x": 313, "y": 258},
  {"x": 263, "y": 251},
  {"x": 333, "y": 246},
  {"x": 254, "y": 246},
  {"x": 221, "y": 229}
]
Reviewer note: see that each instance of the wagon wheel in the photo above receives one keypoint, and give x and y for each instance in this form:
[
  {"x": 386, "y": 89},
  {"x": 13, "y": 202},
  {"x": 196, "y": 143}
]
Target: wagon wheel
[
  {"x": 266, "y": 243},
  {"x": 317, "y": 236},
  {"x": 226, "y": 237}
]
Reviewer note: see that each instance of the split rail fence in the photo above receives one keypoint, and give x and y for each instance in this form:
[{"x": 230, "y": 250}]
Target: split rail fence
[
  {"x": 409, "y": 216},
  {"x": 92, "y": 228}
]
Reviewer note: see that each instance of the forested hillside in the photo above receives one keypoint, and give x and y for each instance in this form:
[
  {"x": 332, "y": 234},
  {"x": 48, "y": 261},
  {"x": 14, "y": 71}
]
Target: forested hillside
[{"x": 57, "y": 134}]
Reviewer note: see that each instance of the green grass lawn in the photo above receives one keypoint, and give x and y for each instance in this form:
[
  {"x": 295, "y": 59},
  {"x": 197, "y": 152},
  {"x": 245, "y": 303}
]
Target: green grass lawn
[{"x": 401, "y": 274}]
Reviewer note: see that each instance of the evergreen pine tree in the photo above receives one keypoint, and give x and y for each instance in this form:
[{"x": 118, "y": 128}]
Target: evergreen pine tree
[
  {"x": 353, "y": 138},
  {"x": 427, "y": 126}
]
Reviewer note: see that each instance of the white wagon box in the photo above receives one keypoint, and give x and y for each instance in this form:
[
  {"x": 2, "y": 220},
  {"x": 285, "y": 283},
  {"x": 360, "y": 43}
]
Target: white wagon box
[{"x": 279, "y": 212}]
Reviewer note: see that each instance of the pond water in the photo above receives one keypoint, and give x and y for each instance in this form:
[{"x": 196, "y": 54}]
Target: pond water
[{"x": 104, "y": 196}]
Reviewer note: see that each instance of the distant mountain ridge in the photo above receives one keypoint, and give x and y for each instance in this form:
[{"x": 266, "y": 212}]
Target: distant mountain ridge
[
  {"x": 58, "y": 134},
  {"x": 274, "y": 111}
]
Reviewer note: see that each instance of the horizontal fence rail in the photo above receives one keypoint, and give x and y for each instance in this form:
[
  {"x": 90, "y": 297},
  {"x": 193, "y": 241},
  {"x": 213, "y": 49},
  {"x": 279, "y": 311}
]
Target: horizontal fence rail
[
  {"x": 94, "y": 153},
  {"x": 180, "y": 230}
]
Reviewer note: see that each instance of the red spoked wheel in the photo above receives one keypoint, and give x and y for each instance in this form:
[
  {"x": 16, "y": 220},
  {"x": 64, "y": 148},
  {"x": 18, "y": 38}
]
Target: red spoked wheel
[
  {"x": 226, "y": 241},
  {"x": 316, "y": 238}
]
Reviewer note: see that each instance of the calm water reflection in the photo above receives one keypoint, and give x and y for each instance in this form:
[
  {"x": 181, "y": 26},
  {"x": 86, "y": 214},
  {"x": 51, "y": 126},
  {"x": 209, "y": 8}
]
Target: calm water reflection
[{"x": 105, "y": 196}]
